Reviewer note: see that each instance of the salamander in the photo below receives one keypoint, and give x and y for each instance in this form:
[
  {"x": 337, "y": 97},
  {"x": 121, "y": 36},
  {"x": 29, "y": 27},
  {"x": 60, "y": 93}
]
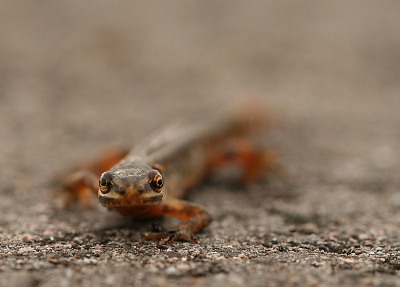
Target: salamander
[{"x": 150, "y": 180}]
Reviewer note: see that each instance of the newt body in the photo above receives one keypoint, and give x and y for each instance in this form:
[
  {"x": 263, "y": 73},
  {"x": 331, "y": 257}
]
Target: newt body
[{"x": 151, "y": 178}]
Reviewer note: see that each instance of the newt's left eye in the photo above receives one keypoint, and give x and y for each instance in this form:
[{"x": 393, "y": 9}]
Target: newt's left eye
[
  {"x": 160, "y": 183},
  {"x": 157, "y": 183},
  {"x": 105, "y": 182}
]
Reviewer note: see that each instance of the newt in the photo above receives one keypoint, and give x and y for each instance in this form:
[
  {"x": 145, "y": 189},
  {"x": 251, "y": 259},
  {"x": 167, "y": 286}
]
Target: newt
[{"x": 150, "y": 180}]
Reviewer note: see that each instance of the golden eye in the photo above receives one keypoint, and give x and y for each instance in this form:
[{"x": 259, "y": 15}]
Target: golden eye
[
  {"x": 105, "y": 182},
  {"x": 160, "y": 183},
  {"x": 157, "y": 183}
]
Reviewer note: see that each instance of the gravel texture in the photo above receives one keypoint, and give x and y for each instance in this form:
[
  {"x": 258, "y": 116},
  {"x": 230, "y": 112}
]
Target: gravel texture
[{"x": 78, "y": 77}]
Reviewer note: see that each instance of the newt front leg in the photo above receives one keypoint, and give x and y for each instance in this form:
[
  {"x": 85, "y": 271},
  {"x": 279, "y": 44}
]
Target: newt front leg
[
  {"x": 194, "y": 217},
  {"x": 82, "y": 181}
]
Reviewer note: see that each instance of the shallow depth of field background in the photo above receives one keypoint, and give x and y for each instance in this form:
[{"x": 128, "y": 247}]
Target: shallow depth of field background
[{"x": 79, "y": 76}]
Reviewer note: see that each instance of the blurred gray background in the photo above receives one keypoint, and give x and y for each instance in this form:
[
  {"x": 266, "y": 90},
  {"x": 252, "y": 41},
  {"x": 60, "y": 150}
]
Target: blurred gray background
[{"x": 79, "y": 76}]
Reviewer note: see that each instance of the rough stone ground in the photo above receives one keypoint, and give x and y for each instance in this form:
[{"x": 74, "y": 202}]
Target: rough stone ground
[{"x": 77, "y": 77}]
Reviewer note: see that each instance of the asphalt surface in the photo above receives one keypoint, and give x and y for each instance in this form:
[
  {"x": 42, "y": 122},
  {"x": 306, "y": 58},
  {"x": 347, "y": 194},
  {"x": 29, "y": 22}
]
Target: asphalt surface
[{"x": 78, "y": 77}]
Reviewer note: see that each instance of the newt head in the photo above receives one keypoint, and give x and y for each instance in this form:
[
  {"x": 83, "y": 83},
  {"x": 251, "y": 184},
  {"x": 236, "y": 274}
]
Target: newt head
[{"x": 130, "y": 187}]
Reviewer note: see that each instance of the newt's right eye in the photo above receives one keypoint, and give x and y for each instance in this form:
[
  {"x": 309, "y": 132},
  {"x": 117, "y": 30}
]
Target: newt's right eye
[{"x": 105, "y": 182}]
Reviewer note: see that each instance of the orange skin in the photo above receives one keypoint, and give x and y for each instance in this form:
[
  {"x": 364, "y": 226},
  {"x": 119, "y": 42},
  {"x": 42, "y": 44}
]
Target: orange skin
[{"x": 149, "y": 180}]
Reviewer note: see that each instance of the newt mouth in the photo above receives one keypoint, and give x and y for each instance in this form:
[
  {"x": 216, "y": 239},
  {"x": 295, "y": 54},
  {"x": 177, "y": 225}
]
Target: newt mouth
[{"x": 127, "y": 202}]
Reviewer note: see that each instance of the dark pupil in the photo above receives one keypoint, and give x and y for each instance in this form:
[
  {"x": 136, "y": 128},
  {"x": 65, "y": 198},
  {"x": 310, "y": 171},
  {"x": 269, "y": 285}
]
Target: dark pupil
[
  {"x": 104, "y": 182},
  {"x": 160, "y": 182}
]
